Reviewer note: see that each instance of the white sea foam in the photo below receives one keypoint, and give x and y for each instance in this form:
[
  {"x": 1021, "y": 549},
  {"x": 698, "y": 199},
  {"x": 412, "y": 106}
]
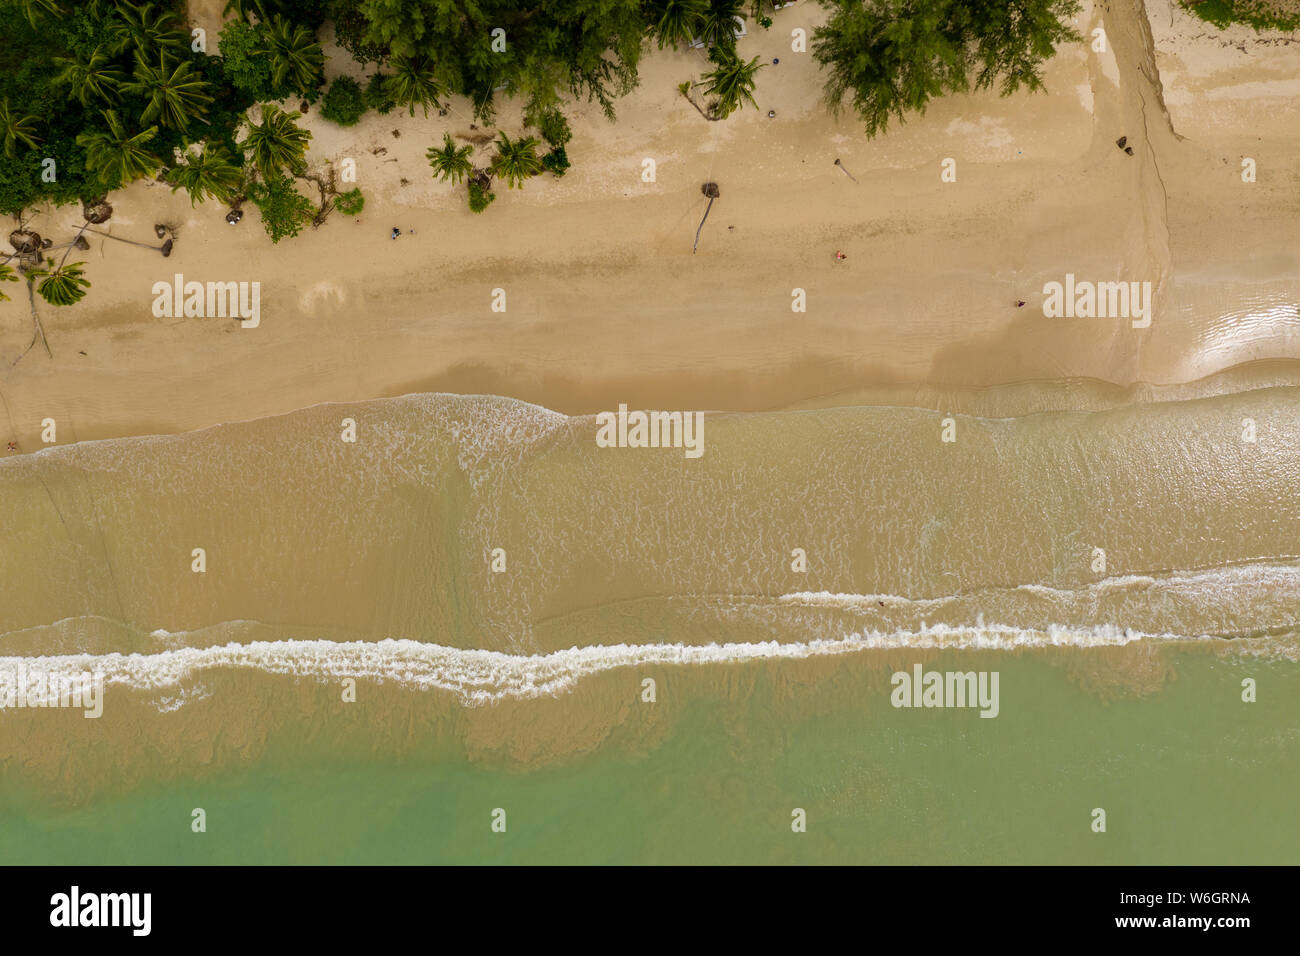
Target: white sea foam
[
  {"x": 481, "y": 677},
  {"x": 1213, "y": 582}
]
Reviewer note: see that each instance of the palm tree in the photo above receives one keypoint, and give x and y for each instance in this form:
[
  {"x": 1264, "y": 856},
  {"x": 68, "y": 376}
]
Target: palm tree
[
  {"x": 712, "y": 192},
  {"x": 62, "y": 284},
  {"x": 139, "y": 26},
  {"x": 678, "y": 22},
  {"x": 277, "y": 142},
  {"x": 208, "y": 173},
  {"x": 96, "y": 77},
  {"x": 16, "y": 128},
  {"x": 175, "y": 95},
  {"x": 516, "y": 160},
  {"x": 115, "y": 157},
  {"x": 294, "y": 54},
  {"x": 718, "y": 27},
  {"x": 165, "y": 248},
  {"x": 451, "y": 162},
  {"x": 39, "y": 9},
  {"x": 732, "y": 82},
  {"x": 413, "y": 83}
]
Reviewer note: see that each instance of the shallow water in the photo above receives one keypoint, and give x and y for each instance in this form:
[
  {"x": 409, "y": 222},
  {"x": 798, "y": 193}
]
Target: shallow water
[{"x": 1123, "y": 571}]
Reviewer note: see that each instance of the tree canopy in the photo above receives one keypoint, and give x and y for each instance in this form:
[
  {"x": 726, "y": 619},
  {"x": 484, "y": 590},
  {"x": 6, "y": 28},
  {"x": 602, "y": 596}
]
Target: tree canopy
[
  {"x": 889, "y": 58},
  {"x": 540, "y": 50}
]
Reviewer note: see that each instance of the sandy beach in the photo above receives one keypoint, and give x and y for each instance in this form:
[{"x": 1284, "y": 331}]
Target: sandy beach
[{"x": 606, "y": 302}]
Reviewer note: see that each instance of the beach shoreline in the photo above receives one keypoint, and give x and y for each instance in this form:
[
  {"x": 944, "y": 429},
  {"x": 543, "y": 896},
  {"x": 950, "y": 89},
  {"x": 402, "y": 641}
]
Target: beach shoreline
[{"x": 606, "y": 303}]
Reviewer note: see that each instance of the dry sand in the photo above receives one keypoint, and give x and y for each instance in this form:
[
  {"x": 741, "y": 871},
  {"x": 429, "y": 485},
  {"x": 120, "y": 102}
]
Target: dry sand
[{"x": 607, "y": 303}]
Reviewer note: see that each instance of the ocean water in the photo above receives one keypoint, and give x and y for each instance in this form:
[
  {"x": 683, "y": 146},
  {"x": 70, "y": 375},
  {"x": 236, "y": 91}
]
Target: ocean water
[{"x": 639, "y": 656}]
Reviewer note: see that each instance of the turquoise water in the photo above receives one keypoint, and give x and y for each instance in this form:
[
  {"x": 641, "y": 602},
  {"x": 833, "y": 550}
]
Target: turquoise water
[{"x": 1189, "y": 774}]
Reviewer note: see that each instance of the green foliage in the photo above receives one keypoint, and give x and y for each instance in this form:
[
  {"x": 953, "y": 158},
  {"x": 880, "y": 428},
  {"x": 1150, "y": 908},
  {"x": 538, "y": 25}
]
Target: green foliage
[
  {"x": 344, "y": 102},
  {"x": 1259, "y": 14},
  {"x": 17, "y": 127},
  {"x": 115, "y": 156},
  {"x": 891, "y": 57},
  {"x": 39, "y": 11},
  {"x": 479, "y": 196},
  {"x": 413, "y": 83},
  {"x": 297, "y": 60},
  {"x": 732, "y": 82},
  {"x": 285, "y": 211},
  {"x": 451, "y": 162},
  {"x": 61, "y": 284},
  {"x": 350, "y": 30},
  {"x": 209, "y": 172},
  {"x": 277, "y": 144},
  {"x": 272, "y": 59},
  {"x": 350, "y": 203},
  {"x": 717, "y": 28},
  {"x": 175, "y": 94},
  {"x": 553, "y": 126},
  {"x": 556, "y": 161},
  {"x": 675, "y": 22},
  {"x": 6, "y": 275},
  {"x": 587, "y": 48},
  {"x": 147, "y": 29},
  {"x": 95, "y": 77},
  {"x": 111, "y": 91},
  {"x": 377, "y": 97},
  {"x": 516, "y": 160},
  {"x": 244, "y": 63}
]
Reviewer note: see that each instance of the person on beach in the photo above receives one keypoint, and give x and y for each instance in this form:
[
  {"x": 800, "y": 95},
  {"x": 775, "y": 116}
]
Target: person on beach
[
  {"x": 839, "y": 256},
  {"x": 13, "y": 447},
  {"x": 396, "y": 232}
]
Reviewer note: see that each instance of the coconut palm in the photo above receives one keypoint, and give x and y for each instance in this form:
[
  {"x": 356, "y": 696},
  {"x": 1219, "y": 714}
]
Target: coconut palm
[
  {"x": 679, "y": 22},
  {"x": 34, "y": 10},
  {"x": 209, "y": 172},
  {"x": 95, "y": 77},
  {"x": 516, "y": 160},
  {"x": 277, "y": 142},
  {"x": 452, "y": 161},
  {"x": 413, "y": 83},
  {"x": 718, "y": 25},
  {"x": 294, "y": 54},
  {"x": 116, "y": 157},
  {"x": 712, "y": 192},
  {"x": 63, "y": 284},
  {"x": 147, "y": 28},
  {"x": 176, "y": 95},
  {"x": 732, "y": 82},
  {"x": 16, "y": 128}
]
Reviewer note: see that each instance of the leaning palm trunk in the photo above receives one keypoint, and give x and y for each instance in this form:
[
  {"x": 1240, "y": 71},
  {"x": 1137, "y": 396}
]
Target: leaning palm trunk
[
  {"x": 687, "y": 89},
  {"x": 710, "y": 190},
  {"x": 36, "y": 321},
  {"x": 165, "y": 248}
]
